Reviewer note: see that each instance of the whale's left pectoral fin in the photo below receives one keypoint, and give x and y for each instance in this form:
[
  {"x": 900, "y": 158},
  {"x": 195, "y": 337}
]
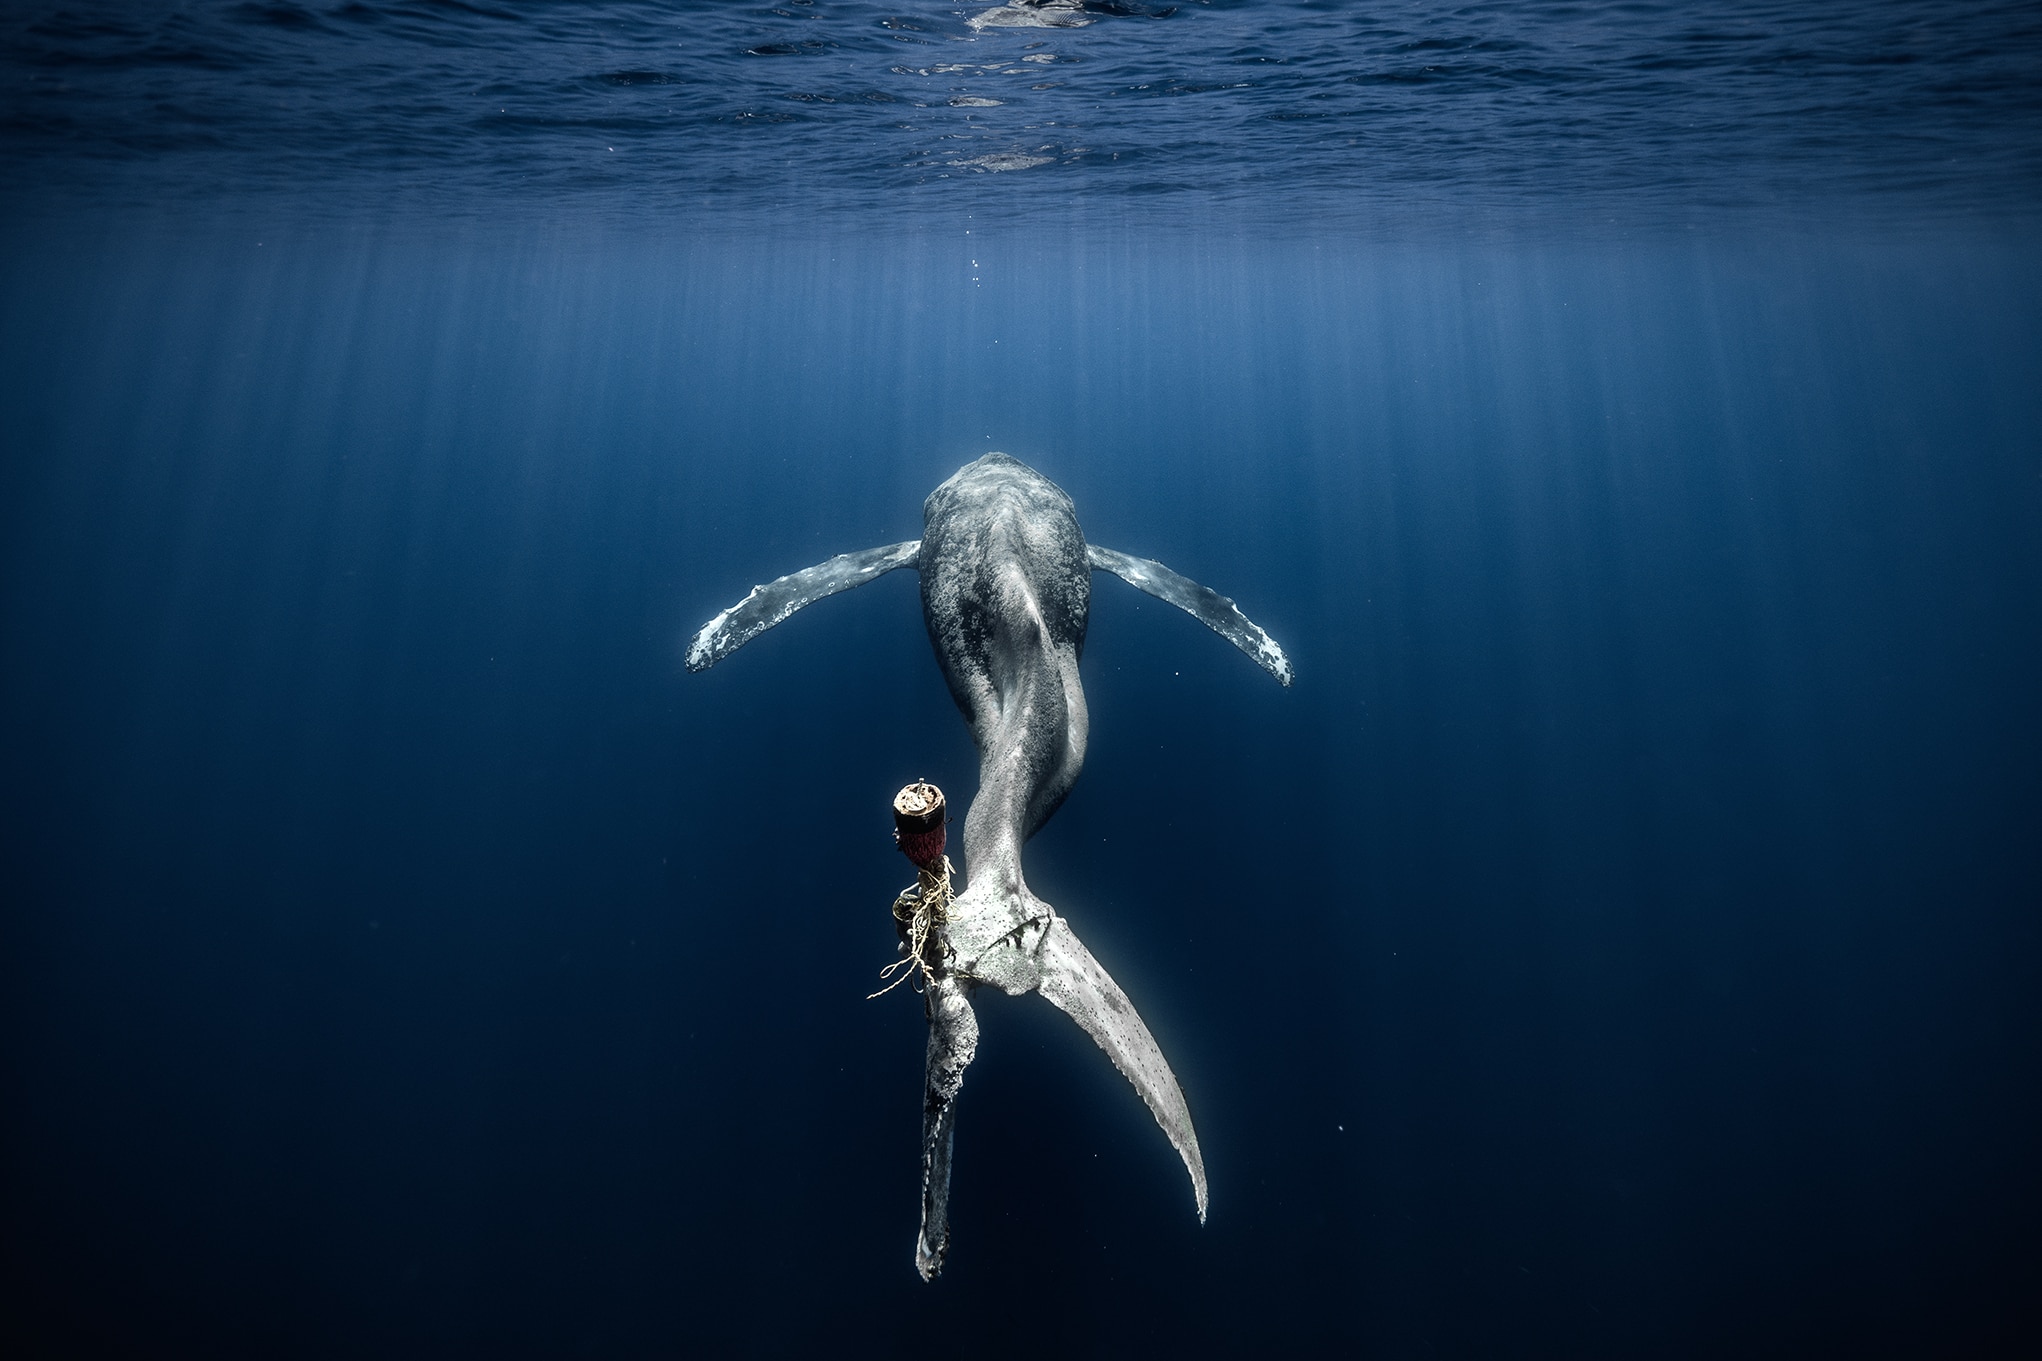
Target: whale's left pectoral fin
[
  {"x": 767, "y": 605},
  {"x": 1214, "y": 610},
  {"x": 1076, "y": 984}
]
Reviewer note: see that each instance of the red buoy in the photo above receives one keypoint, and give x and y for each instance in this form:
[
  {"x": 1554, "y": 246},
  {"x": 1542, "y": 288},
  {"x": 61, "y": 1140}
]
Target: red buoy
[{"x": 918, "y": 819}]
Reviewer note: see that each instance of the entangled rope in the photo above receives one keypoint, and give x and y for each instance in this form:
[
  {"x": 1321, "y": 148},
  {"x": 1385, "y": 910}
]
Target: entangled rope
[{"x": 920, "y": 909}]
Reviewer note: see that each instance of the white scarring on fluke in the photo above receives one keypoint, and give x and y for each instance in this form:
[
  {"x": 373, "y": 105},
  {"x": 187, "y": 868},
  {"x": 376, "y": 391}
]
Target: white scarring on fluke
[{"x": 1006, "y": 593}]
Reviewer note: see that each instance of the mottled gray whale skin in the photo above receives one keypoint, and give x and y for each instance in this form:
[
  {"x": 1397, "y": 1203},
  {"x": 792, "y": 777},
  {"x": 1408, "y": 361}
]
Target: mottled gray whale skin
[{"x": 1006, "y": 595}]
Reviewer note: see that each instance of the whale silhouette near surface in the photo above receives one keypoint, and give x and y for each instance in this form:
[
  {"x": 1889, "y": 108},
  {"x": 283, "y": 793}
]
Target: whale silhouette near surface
[{"x": 1006, "y": 594}]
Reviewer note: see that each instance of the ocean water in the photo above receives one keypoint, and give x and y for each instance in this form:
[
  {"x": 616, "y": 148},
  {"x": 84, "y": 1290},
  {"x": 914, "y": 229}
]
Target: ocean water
[
  {"x": 868, "y": 112},
  {"x": 1623, "y": 939}
]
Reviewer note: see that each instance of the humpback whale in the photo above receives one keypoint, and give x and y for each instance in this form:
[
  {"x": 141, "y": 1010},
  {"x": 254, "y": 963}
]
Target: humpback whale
[{"x": 1006, "y": 594}]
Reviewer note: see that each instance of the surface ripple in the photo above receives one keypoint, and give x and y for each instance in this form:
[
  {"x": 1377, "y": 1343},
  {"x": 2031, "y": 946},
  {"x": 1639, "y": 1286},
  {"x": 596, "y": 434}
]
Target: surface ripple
[{"x": 637, "y": 108}]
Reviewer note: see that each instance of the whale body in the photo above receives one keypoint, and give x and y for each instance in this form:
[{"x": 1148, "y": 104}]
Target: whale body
[{"x": 1006, "y": 580}]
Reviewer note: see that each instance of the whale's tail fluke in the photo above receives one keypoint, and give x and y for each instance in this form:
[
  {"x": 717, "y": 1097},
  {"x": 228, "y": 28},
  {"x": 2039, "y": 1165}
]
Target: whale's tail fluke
[
  {"x": 1040, "y": 952},
  {"x": 1076, "y": 985},
  {"x": 953, "y": 1039},
  {"x": 1046, "y": 955}
]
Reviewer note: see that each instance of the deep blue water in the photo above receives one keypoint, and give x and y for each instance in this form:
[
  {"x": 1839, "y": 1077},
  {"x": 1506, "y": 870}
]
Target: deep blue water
[{"x": 1634, "y": 436}]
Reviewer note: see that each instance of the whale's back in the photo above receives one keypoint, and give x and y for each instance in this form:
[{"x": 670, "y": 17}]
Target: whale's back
[{"x": 1001, "y": 554}]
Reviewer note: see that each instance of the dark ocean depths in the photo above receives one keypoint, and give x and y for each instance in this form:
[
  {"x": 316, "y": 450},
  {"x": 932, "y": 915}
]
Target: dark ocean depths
[{"x": 1625, "y": 939}]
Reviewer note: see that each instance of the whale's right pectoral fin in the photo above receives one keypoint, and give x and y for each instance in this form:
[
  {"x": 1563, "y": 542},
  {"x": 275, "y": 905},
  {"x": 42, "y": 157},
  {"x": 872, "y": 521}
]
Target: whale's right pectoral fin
[
  {"x": 1075, "y": 983},
  {"x": 1208, "y": 606},
  {"x": 767, "y": 605}
]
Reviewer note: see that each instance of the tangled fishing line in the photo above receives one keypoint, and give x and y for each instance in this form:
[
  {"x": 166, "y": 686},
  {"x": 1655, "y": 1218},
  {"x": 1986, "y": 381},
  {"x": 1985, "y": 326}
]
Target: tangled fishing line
[{"x": 920, "y": 910}]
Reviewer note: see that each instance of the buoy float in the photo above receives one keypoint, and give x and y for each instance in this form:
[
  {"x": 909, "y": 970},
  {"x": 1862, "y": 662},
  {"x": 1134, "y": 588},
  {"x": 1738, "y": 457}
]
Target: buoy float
[
  {"x": 918, "y": 820},
  {"x": 919, "y": 816}
]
